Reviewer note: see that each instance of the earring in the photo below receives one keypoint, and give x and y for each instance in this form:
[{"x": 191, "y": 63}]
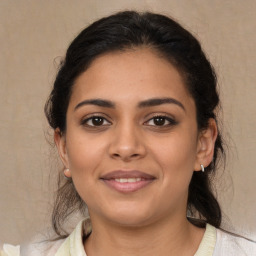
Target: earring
[
  {"x": 66, "y": 173},
  {"x": 202, "y": 168}
]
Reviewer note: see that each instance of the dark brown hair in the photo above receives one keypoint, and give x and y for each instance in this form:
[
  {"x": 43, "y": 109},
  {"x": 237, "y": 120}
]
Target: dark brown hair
[{"x": 126, "y": 30}]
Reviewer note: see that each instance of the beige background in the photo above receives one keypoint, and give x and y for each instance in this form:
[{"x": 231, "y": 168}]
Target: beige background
[{"x": 34, "y": 32}]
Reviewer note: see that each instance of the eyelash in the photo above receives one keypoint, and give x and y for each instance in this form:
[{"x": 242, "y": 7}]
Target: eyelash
[
  {"x": 91, "y": 118},
  {"x": 171, "y": 121}
]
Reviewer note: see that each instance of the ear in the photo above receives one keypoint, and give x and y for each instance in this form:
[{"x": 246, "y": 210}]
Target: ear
[
  {"x": 60, "y": 142},
  {"x": 205, "y": 145}
]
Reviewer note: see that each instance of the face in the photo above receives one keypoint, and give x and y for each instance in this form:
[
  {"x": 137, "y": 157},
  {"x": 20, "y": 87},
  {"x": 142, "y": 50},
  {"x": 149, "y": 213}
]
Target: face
[{"x": 132, "y": 142}]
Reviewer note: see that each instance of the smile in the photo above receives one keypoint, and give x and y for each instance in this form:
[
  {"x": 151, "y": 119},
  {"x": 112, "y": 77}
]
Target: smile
[
  {"x": 127, "y": 181},
  {"x": 130, "y": 180}
]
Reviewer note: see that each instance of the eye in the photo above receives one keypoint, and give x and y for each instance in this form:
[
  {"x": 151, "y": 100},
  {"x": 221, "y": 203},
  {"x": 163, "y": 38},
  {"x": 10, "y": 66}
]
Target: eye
[
  {"x": 96, "y": 121},
  {"x": 161, "y": 121}
]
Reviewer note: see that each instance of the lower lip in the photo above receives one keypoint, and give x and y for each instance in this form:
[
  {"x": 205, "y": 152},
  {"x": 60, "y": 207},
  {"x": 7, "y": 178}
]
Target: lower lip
[{"x": 127, "y": 187}]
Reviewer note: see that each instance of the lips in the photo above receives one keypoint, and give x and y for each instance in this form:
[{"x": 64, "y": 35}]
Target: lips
[{"x": 127, "y": 181}]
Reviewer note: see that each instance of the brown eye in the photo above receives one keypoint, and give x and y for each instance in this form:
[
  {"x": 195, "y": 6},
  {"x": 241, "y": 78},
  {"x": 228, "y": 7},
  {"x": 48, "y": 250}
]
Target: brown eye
[
  {"x": 96, "y": 121},
  {"x": 161, "y": 121}
]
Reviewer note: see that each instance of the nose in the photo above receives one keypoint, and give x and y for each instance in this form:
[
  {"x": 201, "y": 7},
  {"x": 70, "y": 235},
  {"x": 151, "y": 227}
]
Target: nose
[{"x": 127, "y": 143}]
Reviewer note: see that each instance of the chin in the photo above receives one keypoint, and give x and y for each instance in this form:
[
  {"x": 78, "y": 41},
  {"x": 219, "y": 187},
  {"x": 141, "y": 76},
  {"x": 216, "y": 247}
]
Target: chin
[{"x": 131, "y": 217}]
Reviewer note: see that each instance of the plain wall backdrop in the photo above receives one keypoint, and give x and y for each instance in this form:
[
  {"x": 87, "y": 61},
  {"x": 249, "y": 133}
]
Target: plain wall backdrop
[{"x": 34, "y": 34}]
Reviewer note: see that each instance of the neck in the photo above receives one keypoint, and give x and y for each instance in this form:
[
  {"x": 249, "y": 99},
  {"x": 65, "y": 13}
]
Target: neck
[{"x": 165, "y": 237}]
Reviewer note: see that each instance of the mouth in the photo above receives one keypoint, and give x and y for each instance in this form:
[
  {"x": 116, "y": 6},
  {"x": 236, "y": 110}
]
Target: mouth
[{"x": 127, "y": 181}]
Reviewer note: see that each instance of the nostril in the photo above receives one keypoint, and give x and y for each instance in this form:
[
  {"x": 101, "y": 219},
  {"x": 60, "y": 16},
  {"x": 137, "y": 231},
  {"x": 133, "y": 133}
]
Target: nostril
[{"x": 116, "y": 155}]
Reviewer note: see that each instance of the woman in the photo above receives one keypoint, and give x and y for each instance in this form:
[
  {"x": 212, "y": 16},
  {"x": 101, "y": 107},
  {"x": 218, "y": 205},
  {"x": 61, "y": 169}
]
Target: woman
[{"x": 133, "y": 110}]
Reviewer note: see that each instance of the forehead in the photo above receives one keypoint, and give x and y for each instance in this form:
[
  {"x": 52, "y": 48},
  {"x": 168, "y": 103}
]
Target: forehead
[{"x": 131, "y": 75}]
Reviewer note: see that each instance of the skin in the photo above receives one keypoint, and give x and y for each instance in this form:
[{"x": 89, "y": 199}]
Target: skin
[{"x": 151, "y": 220}]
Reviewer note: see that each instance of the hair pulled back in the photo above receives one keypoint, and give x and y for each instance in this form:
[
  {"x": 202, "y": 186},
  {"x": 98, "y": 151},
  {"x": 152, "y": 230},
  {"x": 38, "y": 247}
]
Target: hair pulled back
[{"x": 128, "y": 30}]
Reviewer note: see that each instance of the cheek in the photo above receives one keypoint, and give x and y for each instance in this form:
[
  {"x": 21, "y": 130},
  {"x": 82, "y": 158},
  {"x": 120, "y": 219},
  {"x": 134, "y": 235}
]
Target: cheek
[
  {"x": 84, "y": 153},
  {"x": 177, "y": 156},
  {"x": 85, "y": 156},
  {"x": 178, "y": 150}
]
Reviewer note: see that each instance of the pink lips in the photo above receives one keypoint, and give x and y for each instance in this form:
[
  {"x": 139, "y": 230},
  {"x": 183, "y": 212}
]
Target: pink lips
[{"x": 127, "y": 181}]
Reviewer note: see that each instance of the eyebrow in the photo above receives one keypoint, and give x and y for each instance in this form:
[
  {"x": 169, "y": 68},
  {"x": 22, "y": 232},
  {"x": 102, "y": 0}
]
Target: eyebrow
[
  {"x": 146, "y": 103},
  {"x": 160, "y": 101},
  {"x": 96, "y": 102}
]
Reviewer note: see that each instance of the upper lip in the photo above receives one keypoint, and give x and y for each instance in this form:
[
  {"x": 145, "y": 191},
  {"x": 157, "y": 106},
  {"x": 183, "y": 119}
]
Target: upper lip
[{"x": 122, "y": 174}]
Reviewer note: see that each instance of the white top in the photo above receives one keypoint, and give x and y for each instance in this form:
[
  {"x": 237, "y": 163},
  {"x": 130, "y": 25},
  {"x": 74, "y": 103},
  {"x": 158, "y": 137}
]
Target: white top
[{"x": 215, "y": 242}]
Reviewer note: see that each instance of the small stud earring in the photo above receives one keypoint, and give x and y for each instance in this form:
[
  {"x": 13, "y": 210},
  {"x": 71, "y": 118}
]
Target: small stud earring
[
  {"x": 66, "y": 173},
  {"x": 202, "y": 168}
]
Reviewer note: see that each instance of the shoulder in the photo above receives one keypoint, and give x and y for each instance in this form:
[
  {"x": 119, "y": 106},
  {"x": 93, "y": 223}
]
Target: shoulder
[
  {"x": 231, "y": 244},
  {"x": 72, "y": 244},
  {"x": 41, "y": 245},
  {"x": 41, "y": 248},
  {"x": 9, "y": 250}
]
